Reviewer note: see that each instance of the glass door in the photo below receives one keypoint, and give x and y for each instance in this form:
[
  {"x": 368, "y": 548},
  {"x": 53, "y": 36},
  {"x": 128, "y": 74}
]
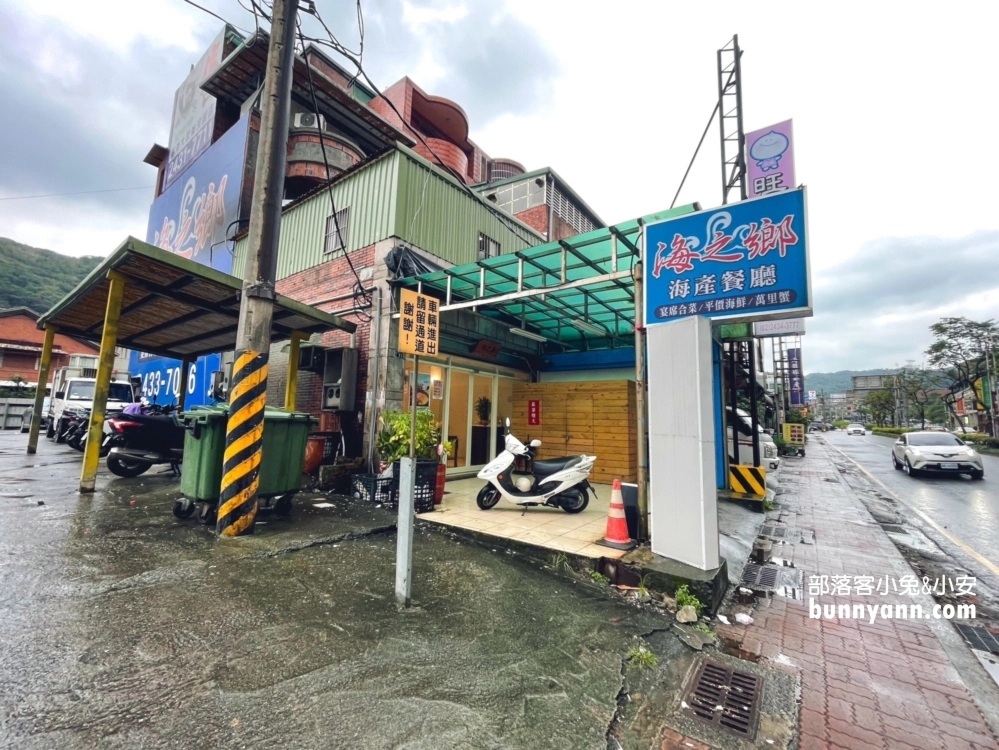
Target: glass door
[{"x": 459, "y": 417}]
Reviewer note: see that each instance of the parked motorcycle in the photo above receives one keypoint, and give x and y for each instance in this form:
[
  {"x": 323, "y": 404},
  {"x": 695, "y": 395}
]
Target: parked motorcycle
[
  {"x": 73, "y": 427},
  {"x": 556, "y": 482},
  {"x": 78, "y": 430},
  {"x": 135, "y": 442}
]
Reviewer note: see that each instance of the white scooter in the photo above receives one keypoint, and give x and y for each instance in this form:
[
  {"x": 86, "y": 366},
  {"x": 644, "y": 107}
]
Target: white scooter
[{"x": 556, "y": 482}]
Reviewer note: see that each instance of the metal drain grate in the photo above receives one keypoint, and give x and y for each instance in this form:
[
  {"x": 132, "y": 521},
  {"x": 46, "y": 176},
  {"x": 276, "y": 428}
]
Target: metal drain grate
[
  {"x": 762, "y": 577},
  {"x": 725, "y": 697},
  {"x": 775, "y": 532},
  {"x": 893, "y": 528},
  {"x": 978, "y": 638}
]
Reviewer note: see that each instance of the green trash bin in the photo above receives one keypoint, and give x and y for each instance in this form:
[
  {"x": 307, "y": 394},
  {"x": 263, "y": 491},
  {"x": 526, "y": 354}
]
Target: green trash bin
[
  {"x": 285, "y": 436},
  {"x": 282, "y": 459},
  {"x": 204, "y": 449}
]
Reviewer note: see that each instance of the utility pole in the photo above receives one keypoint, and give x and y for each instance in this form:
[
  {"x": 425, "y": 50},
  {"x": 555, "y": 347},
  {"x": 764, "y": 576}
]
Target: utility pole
[{"x": 238, "y": 504}]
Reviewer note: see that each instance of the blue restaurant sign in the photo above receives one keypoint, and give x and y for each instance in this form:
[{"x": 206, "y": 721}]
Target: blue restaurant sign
[{"x": 745, "y": 261}]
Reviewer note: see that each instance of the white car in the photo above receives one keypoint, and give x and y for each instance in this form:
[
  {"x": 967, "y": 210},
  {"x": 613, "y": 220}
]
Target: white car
[
  {"x": 855, "y": 429},
  {"x": 937, "y": 452}
]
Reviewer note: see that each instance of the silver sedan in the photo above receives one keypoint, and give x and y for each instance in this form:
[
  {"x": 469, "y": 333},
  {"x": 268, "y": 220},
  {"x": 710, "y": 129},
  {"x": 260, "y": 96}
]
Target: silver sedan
[{"x": 916, "y": 453}]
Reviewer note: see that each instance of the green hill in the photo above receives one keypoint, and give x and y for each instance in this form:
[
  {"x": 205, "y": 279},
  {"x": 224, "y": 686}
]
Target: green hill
[
  {"x": 837, "y": 382},
  {"x": 35, "y": 278}
]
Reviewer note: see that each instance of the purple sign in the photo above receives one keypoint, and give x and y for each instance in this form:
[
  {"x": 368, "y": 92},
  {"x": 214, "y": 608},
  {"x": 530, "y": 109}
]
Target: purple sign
[
  {"x": 770, "y": 160},
  {"x": 194, "y": 216},
  {"x": 796, "y": 380}
]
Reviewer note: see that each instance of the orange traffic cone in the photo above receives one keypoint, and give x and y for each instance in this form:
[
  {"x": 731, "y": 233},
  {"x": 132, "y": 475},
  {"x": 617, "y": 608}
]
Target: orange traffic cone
[{"x": 616, "y": 535}]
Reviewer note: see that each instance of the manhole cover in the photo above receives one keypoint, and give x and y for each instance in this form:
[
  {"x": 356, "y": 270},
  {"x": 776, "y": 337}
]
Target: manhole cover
[
  {"x": 725, "y": 697},
  {"x": 978, "y": 638},
  {"x": 761, "y": 577},
  {"x": 893, "y": 528}
]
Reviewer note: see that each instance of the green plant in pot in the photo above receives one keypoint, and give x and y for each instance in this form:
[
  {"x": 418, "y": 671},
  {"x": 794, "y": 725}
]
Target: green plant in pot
[
  {"x": 483, "y": 409},
  {"x": 393, "y": 435}
]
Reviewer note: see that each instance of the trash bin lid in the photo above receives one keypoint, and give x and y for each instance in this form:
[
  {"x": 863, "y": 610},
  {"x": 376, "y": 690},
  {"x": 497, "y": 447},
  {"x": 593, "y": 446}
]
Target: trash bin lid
[{"x": 273, "y": 413}]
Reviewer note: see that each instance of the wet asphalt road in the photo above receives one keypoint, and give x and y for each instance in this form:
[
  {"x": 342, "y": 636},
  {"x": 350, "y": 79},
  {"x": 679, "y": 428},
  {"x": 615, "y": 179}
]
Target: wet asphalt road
[
  {"x": 123, "y": 627},
  {"x": 967, "y": 509}
]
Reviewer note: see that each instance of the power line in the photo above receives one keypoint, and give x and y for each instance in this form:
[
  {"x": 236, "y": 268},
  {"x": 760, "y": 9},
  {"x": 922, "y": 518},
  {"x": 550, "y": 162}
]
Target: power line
[{"x": 82, "y": 192}]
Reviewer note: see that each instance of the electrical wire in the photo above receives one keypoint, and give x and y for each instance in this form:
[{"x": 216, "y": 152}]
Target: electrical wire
[
  {"x": 334, "y": 44},
  {"x": 696, "y": 151},
  {"x": 82, "y": 192},
  {"x": 216, "y": 15},
  {"x": 362, "y": 297}
]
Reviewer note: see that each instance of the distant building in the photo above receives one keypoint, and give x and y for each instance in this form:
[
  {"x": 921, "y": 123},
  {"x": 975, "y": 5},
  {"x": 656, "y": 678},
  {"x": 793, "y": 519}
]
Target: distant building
[{"x": 21, "y": 348}]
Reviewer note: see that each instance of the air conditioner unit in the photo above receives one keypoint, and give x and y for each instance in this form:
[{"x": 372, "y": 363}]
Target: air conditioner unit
[
  {"x": 311, "y": 358},
  {"x": 310, "y": 120},
  {"x": 340, "y": 379}
]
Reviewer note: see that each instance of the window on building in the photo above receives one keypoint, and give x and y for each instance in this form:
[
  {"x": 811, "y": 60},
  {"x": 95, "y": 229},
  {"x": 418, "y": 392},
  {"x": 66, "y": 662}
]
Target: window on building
[
  {"x": 334, "y": 241},
  {"x": 38, "y": 363},
  {"x": 488, "y": 247},
  {"x": 82, "y": 361}
]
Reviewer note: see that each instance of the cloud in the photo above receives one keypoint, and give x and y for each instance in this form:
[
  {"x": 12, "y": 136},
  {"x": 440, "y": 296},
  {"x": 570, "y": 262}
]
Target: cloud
[{"x": 875, "y": 309}]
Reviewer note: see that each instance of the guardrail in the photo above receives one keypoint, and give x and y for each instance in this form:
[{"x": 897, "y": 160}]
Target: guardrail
[{"x": 11, "y": 410}]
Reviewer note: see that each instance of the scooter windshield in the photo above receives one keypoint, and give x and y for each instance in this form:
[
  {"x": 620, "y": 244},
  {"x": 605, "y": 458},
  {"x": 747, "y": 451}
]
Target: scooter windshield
[{"x": 514, "y": 446}]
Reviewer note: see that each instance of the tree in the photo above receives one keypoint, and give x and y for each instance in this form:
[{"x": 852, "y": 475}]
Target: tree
[
  {"x": 960, "y": 349},
  {"x": 880, "y": 404},
  {"x": 912, "y": 385}
]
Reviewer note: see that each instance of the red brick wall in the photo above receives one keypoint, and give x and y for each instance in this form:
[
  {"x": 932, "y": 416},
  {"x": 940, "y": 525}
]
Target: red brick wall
[
  {"x": 328, "y": 287},
  {"x": 446, "y": 151},
  {"x": 536, "y": 218},
  {"x": 21, "y": 329}
]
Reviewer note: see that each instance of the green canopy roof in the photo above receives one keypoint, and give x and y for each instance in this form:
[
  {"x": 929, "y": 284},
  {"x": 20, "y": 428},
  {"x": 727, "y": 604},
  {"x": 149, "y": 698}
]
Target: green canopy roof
[{"x": 578, "y": 292}]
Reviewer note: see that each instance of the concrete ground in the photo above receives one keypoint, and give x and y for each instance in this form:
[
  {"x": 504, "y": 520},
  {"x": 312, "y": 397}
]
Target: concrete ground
[{"x": 125, "y": 627}]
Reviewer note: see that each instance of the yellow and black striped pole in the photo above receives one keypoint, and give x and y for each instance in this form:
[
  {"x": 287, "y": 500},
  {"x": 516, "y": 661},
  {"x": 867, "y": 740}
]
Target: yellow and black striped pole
[{"x": 243, "y": 445}]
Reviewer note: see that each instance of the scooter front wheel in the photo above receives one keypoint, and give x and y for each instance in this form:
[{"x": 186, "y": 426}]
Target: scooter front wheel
[{"x": 488, "y": 497}]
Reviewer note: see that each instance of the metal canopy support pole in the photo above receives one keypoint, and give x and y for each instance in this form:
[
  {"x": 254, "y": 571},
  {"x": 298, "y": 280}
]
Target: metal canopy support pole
[
  {"x": 733, "y": 398},
  {"x": 640, "y": 391},
  {"x": 109, "y": 340},
  {"x": 237, "y": 508},
  {"x": 291, "y": 387},
  {"x": 753, "y": 418},
  {"x": 43, "y": 381}
]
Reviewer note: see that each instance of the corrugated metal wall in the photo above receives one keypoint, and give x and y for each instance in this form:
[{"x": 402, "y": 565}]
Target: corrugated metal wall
[
  {"x": 371, "y": 195},
  {"x": 442, "y": 218},
  {"x": 396, "y": 195}
]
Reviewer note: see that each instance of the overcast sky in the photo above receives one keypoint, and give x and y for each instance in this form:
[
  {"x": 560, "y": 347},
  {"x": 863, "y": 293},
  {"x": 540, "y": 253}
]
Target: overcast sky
[{"x": 889, "y": 104}]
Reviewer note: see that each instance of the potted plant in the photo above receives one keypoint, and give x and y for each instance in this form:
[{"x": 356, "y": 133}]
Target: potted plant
[
  {"x": 393, "y": 445},
  {"x": 483, "y": 409},
  {"x": 393, "y": 435}
]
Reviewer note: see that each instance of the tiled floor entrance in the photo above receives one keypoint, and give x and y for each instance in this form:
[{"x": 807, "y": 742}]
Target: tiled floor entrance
[{"x": 550, "y": 528}]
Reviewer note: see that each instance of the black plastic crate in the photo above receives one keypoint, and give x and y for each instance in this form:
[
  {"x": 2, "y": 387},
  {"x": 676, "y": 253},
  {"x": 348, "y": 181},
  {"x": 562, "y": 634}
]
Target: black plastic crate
[
  {"x": 332, "y": 442},
  {"x": 372, "y": 488},
  {"x": 426, "y": 483}
]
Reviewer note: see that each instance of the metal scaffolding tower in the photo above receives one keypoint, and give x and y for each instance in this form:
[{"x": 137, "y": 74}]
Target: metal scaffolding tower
[{"x": 730, "y": 121}]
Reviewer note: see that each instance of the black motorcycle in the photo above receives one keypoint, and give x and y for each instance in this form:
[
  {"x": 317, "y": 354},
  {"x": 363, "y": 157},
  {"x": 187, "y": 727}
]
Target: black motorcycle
[
  {"x": 78, "y": 428},
  {"x": 135, "y": 442}
]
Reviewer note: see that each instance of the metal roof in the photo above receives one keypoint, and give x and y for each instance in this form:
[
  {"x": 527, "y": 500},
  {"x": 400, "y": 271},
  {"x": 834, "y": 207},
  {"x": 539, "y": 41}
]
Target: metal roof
[
  {"x": 173, "y": 306},
  {"x": 577, "y": 293},
  {"x": 240, "y": 75}
]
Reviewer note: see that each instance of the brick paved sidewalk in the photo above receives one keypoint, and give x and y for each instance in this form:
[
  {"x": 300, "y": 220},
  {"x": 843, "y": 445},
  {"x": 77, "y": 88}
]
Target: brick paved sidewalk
[{"x": 883, "y": 685}]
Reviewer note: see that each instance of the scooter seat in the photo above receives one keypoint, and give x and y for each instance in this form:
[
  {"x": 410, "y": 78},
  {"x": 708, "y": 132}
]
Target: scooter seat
[
  {"x": 165, "y": 420},
  {"x": 551, "y": 465}
]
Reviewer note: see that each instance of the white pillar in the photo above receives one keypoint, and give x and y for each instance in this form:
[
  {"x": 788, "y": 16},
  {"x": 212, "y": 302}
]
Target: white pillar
[{"x": 683, "y": 499}]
